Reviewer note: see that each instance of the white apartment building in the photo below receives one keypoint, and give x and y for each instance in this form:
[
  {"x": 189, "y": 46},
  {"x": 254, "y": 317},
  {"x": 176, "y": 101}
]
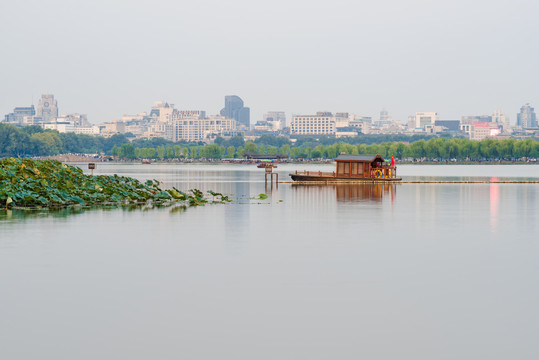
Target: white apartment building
[
  {"x": 323, "y": 123},
  {"x": 61, "y": 127},
  {"x": 87, "y": 130},
  {"x": 198, "y": 128},
  {"x": 421, "y": 119}
]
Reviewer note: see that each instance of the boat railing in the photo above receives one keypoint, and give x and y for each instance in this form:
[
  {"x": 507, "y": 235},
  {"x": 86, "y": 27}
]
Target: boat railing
[
  {"x": 316, "y": 173},
  {"x": 384, "y": 172}
]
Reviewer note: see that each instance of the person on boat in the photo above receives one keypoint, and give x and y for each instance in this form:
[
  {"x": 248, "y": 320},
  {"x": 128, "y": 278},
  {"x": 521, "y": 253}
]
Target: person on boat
[{"x": 392, "y": 161}]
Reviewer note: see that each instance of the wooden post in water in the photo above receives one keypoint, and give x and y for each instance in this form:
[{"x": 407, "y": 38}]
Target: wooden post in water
[
  {"x": 269, "y": 171},
  {"x": 91, "y": 166}
]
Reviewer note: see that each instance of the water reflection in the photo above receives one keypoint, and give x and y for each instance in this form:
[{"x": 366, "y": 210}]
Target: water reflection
[
  {"x": 494, "y": 203},
  {"x": 350, "y": 192}
]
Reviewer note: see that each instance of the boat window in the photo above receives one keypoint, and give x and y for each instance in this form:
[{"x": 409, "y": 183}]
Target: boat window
[{"x": 340, "y": 168}]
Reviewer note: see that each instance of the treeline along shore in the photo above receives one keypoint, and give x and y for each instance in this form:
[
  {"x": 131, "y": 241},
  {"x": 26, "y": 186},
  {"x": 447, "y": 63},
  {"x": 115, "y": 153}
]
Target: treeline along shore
[{"x": 33, "y": 141}]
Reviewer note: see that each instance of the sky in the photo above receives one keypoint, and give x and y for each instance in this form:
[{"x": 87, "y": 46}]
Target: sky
[{"x": 114, "y": 57}]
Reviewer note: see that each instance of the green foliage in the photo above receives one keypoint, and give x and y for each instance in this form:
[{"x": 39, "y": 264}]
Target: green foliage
[
  {"x": 34, "y": 141},
  {"x": 27, "y": 183},
  {"x": 272, "y": 140},
  {"x": 251, "y": 147}
]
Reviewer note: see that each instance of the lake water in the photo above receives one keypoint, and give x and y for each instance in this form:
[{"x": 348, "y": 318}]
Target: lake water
[{"x": 403, "y": 271}]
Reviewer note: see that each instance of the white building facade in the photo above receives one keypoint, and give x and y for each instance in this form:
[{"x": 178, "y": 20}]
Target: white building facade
[{"x": 323, "y": 123}]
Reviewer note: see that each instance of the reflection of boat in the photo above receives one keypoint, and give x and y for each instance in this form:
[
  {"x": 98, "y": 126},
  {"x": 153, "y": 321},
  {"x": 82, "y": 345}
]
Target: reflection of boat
[
  {"x": 356, "y": 192},
  {"x": 355, "y": 168},
  {"x": 265, "y": 165}
]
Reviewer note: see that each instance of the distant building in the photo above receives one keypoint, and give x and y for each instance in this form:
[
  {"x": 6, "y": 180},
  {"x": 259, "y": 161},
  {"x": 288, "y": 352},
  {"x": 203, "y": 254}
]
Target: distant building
[
  {"x": 47, "y": 108},
  {"x": 198, "y": 128},
  {"x": 112, "y": 128},
  {"x": 481, "y": 130},
  {"x": 234, "y": 109},
  {"x": 469, "y": 119},
  {"x": 500, "y": 118},
  {"x": 448, "y": 125},
  {"x": 526, "y": 118},
  {"x": 384, "y": 119},
  {"x": 190, "y": 113},
  {"x": 323, "y": 123},
  {"x": 276, "y": 120},
  {"x": 363, "y": 124},
  {"x": 18, "y": 115},
  {"x": 421, "y": 119},
  {"x": 77, "y": 120}
]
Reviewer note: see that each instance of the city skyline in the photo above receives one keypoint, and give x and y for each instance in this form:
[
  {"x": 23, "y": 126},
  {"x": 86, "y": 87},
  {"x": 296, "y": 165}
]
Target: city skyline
[
  {"x": 299, "y": 57},
  {"x": 381, "y": 114}
]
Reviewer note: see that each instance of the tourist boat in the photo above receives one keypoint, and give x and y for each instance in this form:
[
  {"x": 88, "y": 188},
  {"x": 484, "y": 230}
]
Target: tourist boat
[
  {"x": 265, "y": 165},
  {"x": 353, "y": 168}
]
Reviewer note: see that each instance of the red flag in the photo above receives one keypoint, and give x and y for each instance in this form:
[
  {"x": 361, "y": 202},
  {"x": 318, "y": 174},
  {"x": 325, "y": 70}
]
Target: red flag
[{"x": 392, "y": 161}]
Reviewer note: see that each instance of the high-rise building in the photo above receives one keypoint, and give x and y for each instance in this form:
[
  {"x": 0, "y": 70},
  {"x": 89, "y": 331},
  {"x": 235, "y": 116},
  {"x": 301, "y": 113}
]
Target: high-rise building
[
  {"x": 234, "y": 109},
  {"x": 47, "y": 108},
  {"x": 527, "y": 118},
  {"x": 384, "y": 119},
  {"x": 500, "y": 118},
  {"x": 276, "y": 120}
]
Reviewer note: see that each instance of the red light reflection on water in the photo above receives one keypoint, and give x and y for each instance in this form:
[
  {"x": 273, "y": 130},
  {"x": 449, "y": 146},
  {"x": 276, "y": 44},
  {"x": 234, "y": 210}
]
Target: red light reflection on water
[{"x": 494, "y": 203}]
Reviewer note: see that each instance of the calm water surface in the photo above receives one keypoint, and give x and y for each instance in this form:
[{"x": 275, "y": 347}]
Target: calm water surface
[{"x": 405, "y": 271}]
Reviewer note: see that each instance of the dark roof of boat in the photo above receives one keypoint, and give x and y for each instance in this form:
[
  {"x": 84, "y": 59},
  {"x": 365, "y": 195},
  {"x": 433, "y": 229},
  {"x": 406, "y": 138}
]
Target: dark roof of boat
[{"x": 357, "y": 157}]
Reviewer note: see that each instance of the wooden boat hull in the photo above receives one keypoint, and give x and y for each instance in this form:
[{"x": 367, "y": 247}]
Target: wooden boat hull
[{"x": 335, "y": 179}]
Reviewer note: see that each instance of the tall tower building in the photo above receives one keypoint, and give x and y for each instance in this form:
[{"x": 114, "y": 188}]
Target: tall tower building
[
  {"x": 384, "y": 119},
  {"x": 499, "y": 117},
  {"x": 47, "y": 108},
  {"x": 234, "y": 109},
  {"x": 526, "y": 118}
]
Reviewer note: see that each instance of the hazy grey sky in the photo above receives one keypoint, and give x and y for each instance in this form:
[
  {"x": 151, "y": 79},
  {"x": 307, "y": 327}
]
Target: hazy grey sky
[{"x": 109, "y": 58}]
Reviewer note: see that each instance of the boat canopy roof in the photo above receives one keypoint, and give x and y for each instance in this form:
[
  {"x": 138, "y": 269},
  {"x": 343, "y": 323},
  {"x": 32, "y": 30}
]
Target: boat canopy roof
[{"x": 361, "y": 158}]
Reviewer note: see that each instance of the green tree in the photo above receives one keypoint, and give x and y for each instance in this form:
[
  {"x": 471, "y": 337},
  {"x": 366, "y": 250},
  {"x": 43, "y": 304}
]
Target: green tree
[
  {"x": 240, "y": 151},
  {"x": 170, "y": 152},
  {"x": 177, "y": 151},
  {"x": 49, "y": 142},
  {"x": 285, "y": 150},
  {"x": 128, "y": 151},
  {"x": 161, "y": 152},
  {"x": 230, "y": 152},
  {"x": 250, "y": 147},
  {"x": 213, "y": 151}
]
